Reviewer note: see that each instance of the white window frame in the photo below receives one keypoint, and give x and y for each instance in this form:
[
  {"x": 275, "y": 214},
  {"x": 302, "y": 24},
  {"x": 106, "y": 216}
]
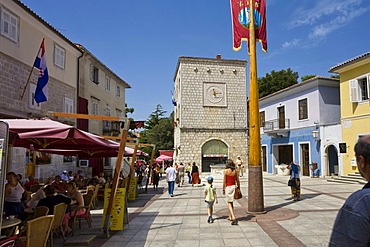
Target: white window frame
[
  {"x": 12, "y": 24},
  {"x": 31, "y": 98},
  {"x": 68, "y": 105},
  {"x": 95, "y": 108},
  {"x": 299, "y": 110},
  {"x": 59, "y": 56},
  {"x": 107, "y": 84},
  {"x": 355, "y": 93},
  {"x": 118, "y": 93},
  {"x": 118, "y": 112},
  {"x": 107, "y": 124}
]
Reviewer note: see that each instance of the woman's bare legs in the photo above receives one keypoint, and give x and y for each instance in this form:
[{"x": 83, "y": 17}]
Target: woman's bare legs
[{"x": 231, "y": 210}]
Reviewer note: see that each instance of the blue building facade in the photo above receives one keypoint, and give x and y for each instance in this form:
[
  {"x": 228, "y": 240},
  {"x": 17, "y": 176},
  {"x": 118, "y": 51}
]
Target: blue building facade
[{"x": 301, "y": 124}]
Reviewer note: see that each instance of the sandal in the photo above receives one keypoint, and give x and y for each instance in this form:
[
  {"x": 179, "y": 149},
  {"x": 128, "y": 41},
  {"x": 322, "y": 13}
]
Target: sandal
[{"x": 234, "y": 222}]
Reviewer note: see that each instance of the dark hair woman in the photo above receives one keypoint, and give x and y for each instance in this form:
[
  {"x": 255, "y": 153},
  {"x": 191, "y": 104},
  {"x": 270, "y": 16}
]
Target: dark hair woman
[
  {"x": 231, "y": 180},
  {"x": 194, "y": 174}
]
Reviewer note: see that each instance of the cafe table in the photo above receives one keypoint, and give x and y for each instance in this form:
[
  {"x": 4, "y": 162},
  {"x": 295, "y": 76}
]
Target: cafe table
[
  {"x": 8, "y": 226},
  {"x": 7, "y": 223}
]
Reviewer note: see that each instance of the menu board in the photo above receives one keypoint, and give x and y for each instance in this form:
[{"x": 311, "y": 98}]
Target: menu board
[{"x": 118, "y": 209}]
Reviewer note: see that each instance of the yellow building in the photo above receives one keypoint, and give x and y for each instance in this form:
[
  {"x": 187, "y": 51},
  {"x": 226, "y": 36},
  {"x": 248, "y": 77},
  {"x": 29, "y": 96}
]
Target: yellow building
[{"x": 355, "y": 104}]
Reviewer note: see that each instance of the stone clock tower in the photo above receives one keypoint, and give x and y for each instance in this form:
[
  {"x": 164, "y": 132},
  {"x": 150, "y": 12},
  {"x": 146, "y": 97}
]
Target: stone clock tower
[{"x": 211, "y": 111}]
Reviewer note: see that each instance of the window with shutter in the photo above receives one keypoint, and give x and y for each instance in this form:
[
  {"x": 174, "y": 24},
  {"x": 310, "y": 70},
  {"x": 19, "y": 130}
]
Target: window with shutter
[
  {"x": 302, "y": 107},
  {"x": 262, "y": 119},
  {"x": 353, "y": 91},
  {"x": 31, "y": 98},
  {"x": 368, "y": 86},
  {"x": 68, "y": 105},
  {"x": 9, "y": 25},
  {"x": 94, "y": 74},
  {"x": 363, "y": 92},
  {"x": 59, "y": 56}
]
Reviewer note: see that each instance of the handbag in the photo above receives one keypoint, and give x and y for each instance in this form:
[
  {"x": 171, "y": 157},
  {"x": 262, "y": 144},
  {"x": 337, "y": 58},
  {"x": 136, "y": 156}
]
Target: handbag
[
  {"x": 291, "y": 182},
  {"x": 238, "y": 193}
]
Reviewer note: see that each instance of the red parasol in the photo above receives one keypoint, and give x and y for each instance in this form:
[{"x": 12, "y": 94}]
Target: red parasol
[{"x": 53, "y": 137}]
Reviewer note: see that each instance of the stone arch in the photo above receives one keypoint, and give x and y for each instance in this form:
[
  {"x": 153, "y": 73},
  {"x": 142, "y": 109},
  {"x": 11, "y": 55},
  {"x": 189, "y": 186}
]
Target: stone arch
[{"x": 214, "y": 151}]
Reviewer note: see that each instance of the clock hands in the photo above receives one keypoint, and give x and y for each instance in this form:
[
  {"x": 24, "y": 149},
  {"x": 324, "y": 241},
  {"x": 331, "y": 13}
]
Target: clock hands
[{"x": 215, "y": 93}]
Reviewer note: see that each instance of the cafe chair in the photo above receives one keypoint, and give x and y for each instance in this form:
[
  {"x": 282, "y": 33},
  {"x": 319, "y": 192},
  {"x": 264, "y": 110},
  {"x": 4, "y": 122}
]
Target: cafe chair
[
  {"x": 86, "y": 216},
  {"x": 38, "y": 212},
  {"x": 37, "y": 232},
  {"x": 90, "y": 189},
  {"x": 8, "y": 242},
  {"x": 57, "y": 227}
]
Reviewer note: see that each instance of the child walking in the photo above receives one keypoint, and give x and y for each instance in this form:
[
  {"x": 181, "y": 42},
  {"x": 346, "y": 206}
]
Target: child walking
[{"x": 210, "y": 198}]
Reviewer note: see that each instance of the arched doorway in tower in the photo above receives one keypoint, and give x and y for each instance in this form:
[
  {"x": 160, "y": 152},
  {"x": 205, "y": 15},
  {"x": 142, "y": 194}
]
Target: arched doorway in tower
[
  {"x": 213, "y": 152},
  {"x": 332, "y": 154}
]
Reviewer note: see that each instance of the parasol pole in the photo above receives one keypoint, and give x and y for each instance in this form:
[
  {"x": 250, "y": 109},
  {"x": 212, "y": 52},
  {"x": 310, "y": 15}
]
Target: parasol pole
[
  {"x": 150, "y": 167},
  {"x": 124, "y": 129},
  {"x": 133, "y": 158}
]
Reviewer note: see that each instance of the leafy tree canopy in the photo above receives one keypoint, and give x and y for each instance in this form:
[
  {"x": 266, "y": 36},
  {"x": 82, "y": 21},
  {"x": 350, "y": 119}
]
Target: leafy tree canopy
[
  {"x": 154, "y": 117},
  {"x": 158, "y": 130},
  {"x": 307, "y": 77},
  {"x": 276, "y": 81}
]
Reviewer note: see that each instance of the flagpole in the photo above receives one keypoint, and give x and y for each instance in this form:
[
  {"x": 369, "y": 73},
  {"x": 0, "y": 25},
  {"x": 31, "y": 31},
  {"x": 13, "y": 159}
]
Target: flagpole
[
  {"x": 255, "y": 180},
  {"x": 29, "y": 76}
]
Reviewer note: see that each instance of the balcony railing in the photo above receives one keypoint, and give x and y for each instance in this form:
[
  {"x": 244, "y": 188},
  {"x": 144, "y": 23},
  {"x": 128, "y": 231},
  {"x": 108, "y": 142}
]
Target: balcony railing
[{"x": 277, "y": 127}]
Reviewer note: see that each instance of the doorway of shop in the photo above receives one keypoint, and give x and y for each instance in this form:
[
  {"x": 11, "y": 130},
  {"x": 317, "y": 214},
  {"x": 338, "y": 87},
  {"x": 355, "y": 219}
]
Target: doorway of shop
[{"x": 213, "y": 152}]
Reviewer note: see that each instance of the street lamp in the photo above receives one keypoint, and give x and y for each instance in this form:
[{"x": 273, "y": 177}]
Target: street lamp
[{"x": 316, "y": 135}]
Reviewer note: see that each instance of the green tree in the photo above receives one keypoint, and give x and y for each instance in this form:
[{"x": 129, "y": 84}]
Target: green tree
[
  {"x": 158, "y": 130},
  {"x": 335, "y": 76},
  {"x": 276, "y": 81},
  {"x": 154, "y": 117},
  {"x": 307, "y": 77}
]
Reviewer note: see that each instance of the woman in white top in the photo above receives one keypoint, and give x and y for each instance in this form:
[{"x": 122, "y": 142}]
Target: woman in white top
[{"x": 13, "y": 196}]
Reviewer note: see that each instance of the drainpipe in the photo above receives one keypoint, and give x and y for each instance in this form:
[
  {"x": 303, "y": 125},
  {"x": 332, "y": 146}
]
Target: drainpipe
[{"x": 78, "y": 82}]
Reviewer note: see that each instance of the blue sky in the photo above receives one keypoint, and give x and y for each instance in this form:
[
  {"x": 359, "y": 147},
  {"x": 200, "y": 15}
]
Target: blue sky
[{"x": 142, "y": 40}]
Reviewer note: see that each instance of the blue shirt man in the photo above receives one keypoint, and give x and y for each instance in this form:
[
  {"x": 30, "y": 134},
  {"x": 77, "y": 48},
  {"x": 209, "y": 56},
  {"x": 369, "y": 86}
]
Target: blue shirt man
[
  {"x": 64, "y": 176},
  {"x": 352, "y": 225}
]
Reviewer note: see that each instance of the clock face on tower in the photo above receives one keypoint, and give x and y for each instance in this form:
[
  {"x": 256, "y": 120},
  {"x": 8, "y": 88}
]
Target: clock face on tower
[{"x": 214, "y": 94}]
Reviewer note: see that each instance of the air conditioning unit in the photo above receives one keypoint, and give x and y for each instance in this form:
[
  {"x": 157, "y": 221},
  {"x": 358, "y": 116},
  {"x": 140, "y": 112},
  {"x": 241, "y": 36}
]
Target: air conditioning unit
[{"x": 83, "y": 163}]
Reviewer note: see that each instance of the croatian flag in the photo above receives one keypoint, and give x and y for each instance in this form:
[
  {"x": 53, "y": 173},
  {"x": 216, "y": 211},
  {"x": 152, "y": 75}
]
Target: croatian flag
[{"x": 41, "y": 93}]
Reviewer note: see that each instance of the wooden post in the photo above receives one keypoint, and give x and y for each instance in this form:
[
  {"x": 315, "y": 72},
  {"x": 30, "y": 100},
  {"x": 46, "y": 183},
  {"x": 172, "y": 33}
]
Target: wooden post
[
  {"x": 255, "y": 185},
  {"x": 150, "y": 168},
  {"x": 117, "y": 171}
]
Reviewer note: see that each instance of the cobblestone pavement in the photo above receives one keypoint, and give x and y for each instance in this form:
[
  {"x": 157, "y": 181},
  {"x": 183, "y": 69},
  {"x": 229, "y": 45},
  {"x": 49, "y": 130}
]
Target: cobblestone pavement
[{"x": 156, "y": 219}]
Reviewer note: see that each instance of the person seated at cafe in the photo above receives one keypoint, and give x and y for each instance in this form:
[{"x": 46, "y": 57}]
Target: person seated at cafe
[
  {"x": 59, "y": 184},
  {"x": 79, "y": 181},
  {"x": 81, "y": 173},
  {"x": 19, "y": 178},
  {"x": 64, "y": 176},
  {"x": 13, "y": 204},
  {"x": 74, "y": 194},
  {"x": 52, "y": 199},
  {"x": 93, "y": 181},
  {"x": 40, "y": 194},
  {"x": 101, "y": 178},
  {"x": 70, "y": 176},
  {"x": 31, "y": 181}
]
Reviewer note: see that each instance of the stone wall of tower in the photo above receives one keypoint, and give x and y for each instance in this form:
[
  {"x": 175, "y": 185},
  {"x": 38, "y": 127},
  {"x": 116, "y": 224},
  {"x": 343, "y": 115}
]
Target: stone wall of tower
[{"x": 195, "y": 123}]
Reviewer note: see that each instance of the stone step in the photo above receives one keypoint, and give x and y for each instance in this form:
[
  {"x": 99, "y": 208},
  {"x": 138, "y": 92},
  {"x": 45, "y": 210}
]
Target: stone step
[
  {"x": 80, "y": 240},
  {"x": 344, "y": 181},
  {"x": 352, "y": 178}
]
